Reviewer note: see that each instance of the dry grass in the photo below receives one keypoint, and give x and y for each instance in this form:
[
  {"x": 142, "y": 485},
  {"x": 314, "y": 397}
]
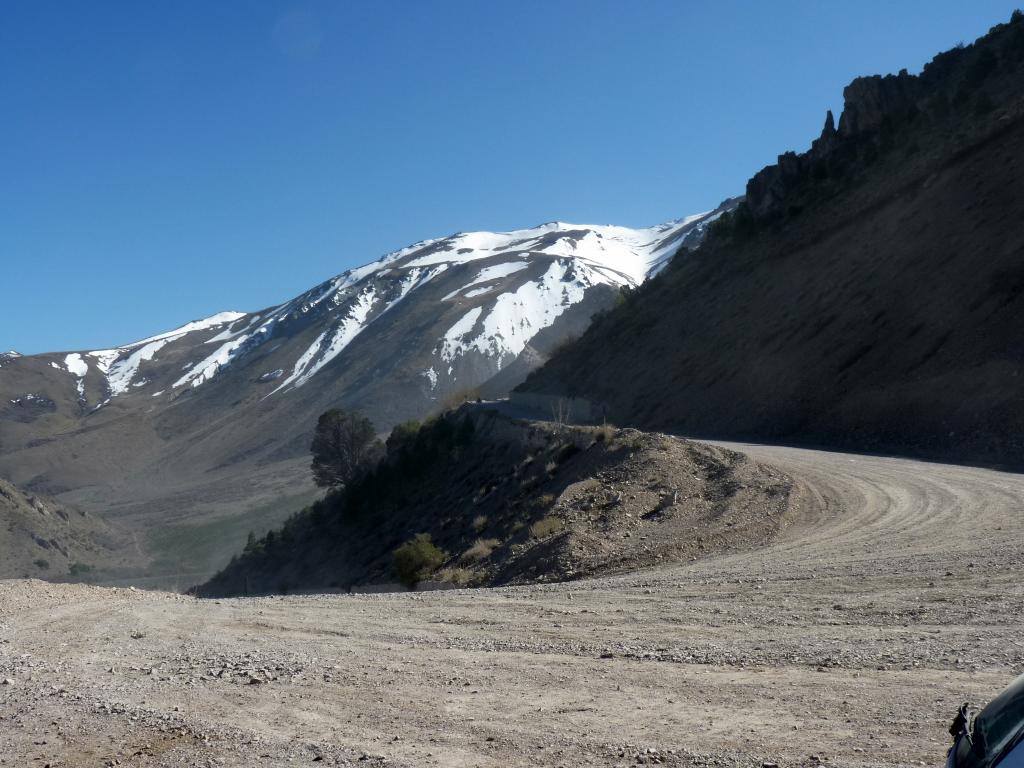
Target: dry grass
[
  {"x": 546, "y": 526},
  {"x": 479, "y": 523},
  {"x": 545, "y": 501},
  {"x": 481, "y": 549},
  {"x": 460, "y": 577}
]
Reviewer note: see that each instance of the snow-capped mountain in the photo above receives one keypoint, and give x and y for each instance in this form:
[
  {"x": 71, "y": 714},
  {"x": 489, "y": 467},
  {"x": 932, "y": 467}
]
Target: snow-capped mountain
[
  {"x": 192, "y": 412},
  {"x": 504, "y": 289}
]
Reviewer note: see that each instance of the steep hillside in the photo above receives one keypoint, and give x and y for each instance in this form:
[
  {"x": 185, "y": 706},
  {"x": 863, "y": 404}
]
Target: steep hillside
[
  {"x": 205, "y": 429},
  {"x": 868, "y": 294},
  {"x": 514, "y": 501},
  {"x": 47, "y": 540}
]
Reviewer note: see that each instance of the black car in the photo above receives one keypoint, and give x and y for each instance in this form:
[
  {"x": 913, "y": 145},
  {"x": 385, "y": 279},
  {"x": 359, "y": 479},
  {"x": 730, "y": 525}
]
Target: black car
[{"x": 992, "y": 737}]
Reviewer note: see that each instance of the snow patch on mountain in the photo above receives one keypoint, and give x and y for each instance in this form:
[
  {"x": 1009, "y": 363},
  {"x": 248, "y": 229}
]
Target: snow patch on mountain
[
  {"x": 413, "y": 280},
  {"x": 326, "y": 348},
  {"x": 104, "y": 358},
  {"x": 77, "y": 367},
  {"x": 213, "y": 321},
  {"x": 454, "y": 340},
  {"x": 621, "y": 252},
  {"x": 488, "y": 274},
  {"x": 230, "y": 332},
  {"x": 517, "y": 316},
  {"x": 329, "y": 344},
  {"x": 236, "y": 347},
  {"x": 431, "y": 375},
  {"x": 210, "y": 366},
  {"x": 120, "y": 371}
]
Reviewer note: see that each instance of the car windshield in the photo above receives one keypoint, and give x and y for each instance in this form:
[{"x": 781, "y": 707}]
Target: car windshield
[{"x": 1002, "y": 719}]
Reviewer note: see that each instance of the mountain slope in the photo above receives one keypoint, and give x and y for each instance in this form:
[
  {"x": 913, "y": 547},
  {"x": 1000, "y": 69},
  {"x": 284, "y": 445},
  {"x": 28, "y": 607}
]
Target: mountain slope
[
  {"x": 42, "y": 538},
  {"x": 205, "y": 429},
  {"x": 868, "y": 294}
]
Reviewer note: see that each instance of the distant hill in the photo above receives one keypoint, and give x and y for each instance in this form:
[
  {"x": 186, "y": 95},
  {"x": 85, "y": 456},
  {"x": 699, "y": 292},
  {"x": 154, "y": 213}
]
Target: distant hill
[
  {"x": 869, "y": 293},
  {"x": 47, "y": 540},
  {"x": 194, "y": 436}
]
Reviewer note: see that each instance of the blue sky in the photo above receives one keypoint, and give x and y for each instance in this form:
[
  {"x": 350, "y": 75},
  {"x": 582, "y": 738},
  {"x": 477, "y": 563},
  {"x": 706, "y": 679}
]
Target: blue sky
[{"x": 161, "y": 161}]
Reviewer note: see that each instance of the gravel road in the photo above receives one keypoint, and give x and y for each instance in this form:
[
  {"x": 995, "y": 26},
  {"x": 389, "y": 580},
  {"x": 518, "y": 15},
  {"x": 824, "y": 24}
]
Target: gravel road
[{"x": 850, "y": 640}]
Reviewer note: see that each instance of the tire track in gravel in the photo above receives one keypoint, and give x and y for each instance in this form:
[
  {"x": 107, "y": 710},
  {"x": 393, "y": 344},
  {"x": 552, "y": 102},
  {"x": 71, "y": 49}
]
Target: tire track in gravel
[{"x": 879, "y": 507}]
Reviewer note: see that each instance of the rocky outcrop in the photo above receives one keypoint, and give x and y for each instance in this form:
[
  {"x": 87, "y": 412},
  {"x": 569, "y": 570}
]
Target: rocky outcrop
[
  {"x": 768, "y": 189},
  {"x": 880, "y": 112},
  {"x": 869, "y": 101}
]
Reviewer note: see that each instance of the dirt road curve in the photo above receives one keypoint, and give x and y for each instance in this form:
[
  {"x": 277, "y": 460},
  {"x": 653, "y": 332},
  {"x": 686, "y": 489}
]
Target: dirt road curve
[{"x": 849, "y": 641}]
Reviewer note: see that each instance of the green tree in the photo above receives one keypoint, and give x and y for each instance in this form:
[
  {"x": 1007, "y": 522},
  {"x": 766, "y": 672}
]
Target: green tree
[
  {"x": 417, "y": 559},
  {"x": 344, "y": 447}
]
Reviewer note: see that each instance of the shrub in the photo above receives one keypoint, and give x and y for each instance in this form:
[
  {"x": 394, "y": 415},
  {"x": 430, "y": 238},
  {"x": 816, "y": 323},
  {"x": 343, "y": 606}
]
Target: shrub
[
  {"x": 546, "y": 526},
  {"x": 481, "y": 548},
  {"x": 479, "y": 523},
  {"x": 41, "y": 563},
  {"x": 79, "y": 569},
  {"x": 416, "y": 559},
  {"x": 403, "y": 436}
]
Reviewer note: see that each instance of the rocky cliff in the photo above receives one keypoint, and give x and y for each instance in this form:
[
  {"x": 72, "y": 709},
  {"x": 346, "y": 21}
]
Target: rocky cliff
[
  {"x": 869, "y": 294},
  {"x": 958, "y": 89}
]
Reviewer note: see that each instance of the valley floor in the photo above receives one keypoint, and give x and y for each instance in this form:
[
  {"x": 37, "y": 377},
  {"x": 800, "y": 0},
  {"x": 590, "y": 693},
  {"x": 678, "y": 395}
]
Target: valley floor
[{"x": 850, "y": 640}]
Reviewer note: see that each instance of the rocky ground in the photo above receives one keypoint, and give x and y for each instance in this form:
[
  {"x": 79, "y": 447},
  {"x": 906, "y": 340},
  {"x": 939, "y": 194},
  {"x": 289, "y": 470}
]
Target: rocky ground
[
  {"x": 850, "y": 639},
  {"x": 641, "y": 499}
]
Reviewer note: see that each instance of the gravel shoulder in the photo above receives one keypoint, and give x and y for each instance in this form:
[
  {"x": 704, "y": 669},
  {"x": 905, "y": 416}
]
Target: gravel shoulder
[{"x": 848, "y": 640}]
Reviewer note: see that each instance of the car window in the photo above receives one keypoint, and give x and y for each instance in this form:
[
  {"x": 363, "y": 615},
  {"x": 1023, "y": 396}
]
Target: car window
[
  {"x": 1013, "y": 760},
  {"x": 1001, "y": 721}
]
